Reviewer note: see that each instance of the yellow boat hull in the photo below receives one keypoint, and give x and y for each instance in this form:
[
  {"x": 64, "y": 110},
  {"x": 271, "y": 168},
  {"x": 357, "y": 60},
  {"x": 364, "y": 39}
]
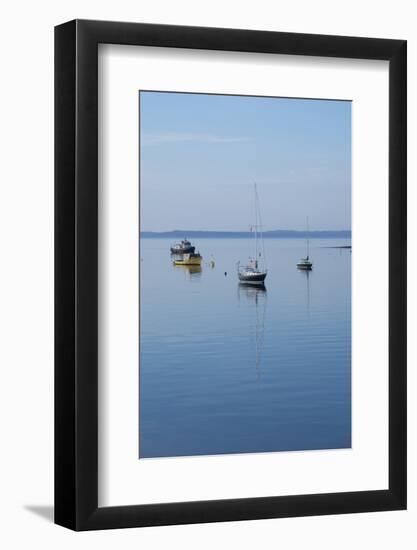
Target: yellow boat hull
[{"x": 189, "y": 261}]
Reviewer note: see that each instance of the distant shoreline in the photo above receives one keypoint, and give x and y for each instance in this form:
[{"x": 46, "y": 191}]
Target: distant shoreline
[
  {"x": 346, "y": 246},
  {"x": 276, "y": 234}
]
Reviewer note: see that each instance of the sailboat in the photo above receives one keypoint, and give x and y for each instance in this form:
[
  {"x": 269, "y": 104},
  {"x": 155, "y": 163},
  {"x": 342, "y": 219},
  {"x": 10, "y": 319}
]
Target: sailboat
[
  {"x": 306, "y": 263},
  {"x": 254, "y": 272}
]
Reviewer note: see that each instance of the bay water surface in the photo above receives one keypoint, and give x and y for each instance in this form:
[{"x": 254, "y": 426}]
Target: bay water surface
[{"x": 227, "y": 368}]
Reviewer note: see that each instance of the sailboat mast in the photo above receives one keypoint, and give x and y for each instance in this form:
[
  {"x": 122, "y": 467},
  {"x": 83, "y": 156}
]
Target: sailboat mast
[
  {"x": 256, "y": 224},
  {"x": 259, "y": 229},
  {"x": 308, "y": 240},
  {"x": 251, "y": 274}
]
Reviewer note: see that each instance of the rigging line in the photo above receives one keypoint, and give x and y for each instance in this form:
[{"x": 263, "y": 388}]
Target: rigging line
[
  {"x": 256, "y": 225},
  {"x": 249, "y": 239},
  {"x": 261, "y": 228}
]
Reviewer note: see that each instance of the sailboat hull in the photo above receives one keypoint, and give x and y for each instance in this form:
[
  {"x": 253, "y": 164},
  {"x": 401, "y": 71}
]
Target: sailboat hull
[
  {"x": 305, "y": 264},
  {"x": 252, "y": 278}
]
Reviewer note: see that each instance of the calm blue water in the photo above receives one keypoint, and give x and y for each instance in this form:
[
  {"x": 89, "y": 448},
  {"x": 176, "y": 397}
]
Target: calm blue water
[{"x": 231, "y": 369}]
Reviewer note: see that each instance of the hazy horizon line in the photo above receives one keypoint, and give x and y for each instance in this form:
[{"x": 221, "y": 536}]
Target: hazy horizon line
[{"x": 246, "y": 232}]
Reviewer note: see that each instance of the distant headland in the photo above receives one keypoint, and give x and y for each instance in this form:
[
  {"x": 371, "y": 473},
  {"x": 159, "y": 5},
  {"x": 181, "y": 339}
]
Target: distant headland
[{"x": 275, "y": 234}]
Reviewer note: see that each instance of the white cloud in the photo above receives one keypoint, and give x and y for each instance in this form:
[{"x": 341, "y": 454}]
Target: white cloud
[{"x": 179, "y": 137}]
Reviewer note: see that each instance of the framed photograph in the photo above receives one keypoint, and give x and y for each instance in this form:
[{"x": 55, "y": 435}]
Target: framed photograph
[{"x": 230, "y": 247}]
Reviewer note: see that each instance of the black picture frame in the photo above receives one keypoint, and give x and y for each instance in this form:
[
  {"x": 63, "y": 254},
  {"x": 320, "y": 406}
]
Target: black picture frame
[{"x": 76, "y": 274}]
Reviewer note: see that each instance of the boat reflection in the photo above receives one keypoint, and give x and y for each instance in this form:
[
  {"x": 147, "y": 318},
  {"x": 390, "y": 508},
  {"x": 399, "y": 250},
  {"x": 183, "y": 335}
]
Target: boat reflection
[
  {"x": 252, "y": 292},
  {"x": 191, "y": 272},
  {"x": 307, "y": 274},
  {"x": 256, "y": 297}
]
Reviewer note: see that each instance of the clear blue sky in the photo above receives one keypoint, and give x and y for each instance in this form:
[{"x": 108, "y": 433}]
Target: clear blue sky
[{"x": 200, "y": 155}]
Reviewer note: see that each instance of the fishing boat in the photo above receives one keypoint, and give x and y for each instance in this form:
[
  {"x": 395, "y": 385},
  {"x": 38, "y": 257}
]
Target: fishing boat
[
  {"x": 254, "y": 272},
  {"x": 305, "y": 263},
  {"x": 184, "y": 247},
  {"x": 189, "y": 259}
]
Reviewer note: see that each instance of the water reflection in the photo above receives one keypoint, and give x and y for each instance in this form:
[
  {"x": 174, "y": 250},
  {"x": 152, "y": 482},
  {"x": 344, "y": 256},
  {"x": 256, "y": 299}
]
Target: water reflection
[
  {"x": 211, "y": 385},
  {"x": 306, "y": 274},
  {"x": 191, "y": 272},
  {"x": 256, "y": 297},
  {"x": 252, "y": 292}
]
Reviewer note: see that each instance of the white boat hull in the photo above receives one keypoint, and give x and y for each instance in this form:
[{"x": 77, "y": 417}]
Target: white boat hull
[{"x": 252, "y": 278}]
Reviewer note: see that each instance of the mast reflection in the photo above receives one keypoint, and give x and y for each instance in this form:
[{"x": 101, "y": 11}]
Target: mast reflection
[
  {"x": 307, "y": 274},
  {"x": 256, "y": 297}
]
